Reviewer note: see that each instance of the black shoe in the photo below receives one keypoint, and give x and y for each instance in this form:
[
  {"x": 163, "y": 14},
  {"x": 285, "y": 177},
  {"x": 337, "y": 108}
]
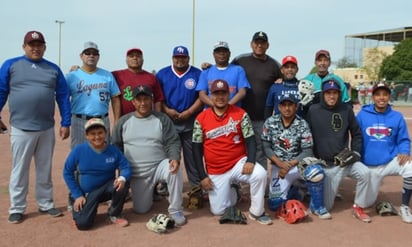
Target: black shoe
[
  {"x": 15, "y": 218},
  {"x": 54, "y": 212}
]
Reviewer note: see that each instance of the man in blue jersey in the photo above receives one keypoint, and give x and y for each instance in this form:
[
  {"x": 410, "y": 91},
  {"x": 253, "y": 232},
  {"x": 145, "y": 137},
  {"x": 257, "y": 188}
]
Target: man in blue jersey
[
  {"x": 91, "y": 90},
  {"x": 182, "y": 103},
  {"x": 233, "y": 74},
  {"x": 32, "y": 85},
  {"x": 322, "y": 62}
]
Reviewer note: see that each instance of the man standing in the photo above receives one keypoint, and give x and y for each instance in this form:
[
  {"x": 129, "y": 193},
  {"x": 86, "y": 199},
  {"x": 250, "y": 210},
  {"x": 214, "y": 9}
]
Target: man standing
[
  {"x": 334, "y": 128},
  {"x": 233, "y": 74},
  {"x": 135, "y": 75},
  {"x": 289, "y": 86},
  {"x": 91, "y": 90},
  {"x": 151, "y": 144},
  {"x": 261, "y": 71},
  {"x": 386, "y": 146},
  {"x": 32, "y": 85},
  {"x": 182, "y": 102},
  {"x": 223, "y": 135},
  {"x": 322, "y": 62}
]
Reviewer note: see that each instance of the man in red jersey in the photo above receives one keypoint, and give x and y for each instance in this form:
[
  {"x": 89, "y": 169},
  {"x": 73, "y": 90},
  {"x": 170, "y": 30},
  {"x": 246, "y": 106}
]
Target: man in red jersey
[{"x": 223, "y": 135}]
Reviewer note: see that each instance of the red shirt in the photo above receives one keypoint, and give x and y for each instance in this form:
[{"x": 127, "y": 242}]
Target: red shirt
[
  {"x": 128, "y": 80},
  {"x": 222, "y": 137}
]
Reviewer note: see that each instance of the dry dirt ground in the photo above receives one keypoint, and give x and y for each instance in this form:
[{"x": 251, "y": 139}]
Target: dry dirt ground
[{"x": 202, "y": 229}]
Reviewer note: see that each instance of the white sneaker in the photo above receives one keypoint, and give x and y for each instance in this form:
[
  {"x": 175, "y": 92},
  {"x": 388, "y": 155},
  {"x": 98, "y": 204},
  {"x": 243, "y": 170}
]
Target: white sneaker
[
  {"x": 405, "y": 213},
  {"x": 179, "y": 218}
]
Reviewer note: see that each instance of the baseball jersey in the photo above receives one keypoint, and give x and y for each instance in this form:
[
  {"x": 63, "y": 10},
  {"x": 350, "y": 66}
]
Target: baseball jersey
[
  {"x": 91, "y": 93},
  {"x": 287, "y": 142},
  {"x": 128, "y": 80},
  {"x": 94, "y": 168},
  {"x": 32, "y": 88},
  {"x": 179, "y": 89},
  {"x": 222, "y": 137},
  {"x": 233, "y": 74},
  {"x": 279, "y": 89}
]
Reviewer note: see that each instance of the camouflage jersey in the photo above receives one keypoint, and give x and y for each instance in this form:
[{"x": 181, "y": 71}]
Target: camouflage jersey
[{"x": 287, "y": 142}]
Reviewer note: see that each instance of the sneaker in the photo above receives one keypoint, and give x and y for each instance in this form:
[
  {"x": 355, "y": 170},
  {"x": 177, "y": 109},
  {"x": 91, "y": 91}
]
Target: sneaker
[
  {"x": 263, "y": 219},
  {"x": 322, "y": 213},
  {"x": 15, "y": 218},
  {"x": 118, "y": 221},
  {"x": 54, "y": 212},
  {"x": 360, "y": 214},
  {"x": 404, "y": 212},
  {"x": 179, "y": 218}
]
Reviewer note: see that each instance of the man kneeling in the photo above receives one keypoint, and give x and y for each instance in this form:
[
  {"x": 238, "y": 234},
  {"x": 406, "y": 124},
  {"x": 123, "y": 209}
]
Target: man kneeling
[{"x": 90, "y": 175}]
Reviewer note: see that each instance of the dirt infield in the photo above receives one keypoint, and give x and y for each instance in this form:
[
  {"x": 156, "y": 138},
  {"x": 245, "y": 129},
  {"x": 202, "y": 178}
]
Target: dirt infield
[{"x": 202, "y": 229}]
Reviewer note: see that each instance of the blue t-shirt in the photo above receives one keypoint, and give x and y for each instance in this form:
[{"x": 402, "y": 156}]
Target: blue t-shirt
[
  {"x": 279, "y": 89},
  {"x": 234, "y": 75}
]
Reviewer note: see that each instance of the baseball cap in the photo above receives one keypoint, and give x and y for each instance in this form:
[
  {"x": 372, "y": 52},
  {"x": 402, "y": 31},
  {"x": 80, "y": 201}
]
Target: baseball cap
[
  {"x": 260, "y": 35},
  {"x": 142, "y": 89},
  {"x": 219, "y": 85},
  {"x": 380, "y": 85},
  {"x": 289, "y": 59},
  {"x": 180, "y": 51},
  {"x": 90, "y": 45},
  {"x": 94, "y": 122},
  {"x": 32, "y": 36},
  {"x": 330, "y": 84},
  {"x": 288, "y": 97},
  {"x": 322, "y": 52},
  {"x": 221, "y": 44},
  {"x": 134, "y": 49}
]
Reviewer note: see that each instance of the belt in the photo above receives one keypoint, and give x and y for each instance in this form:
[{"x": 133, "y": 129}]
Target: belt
[{"x": 90, "y": 117}]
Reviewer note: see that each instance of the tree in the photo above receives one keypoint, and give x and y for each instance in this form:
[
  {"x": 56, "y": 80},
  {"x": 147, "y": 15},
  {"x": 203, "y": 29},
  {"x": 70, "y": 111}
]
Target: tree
[
  {"x": 398, "y": 66},
  {"x": 372, "y": 63},
  {"x": 345, "y": 63}
]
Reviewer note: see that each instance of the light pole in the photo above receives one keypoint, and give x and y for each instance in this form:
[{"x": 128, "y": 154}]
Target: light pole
[
  {"x": 193, "y": 33},
  {"x": 60, "y": 39}
]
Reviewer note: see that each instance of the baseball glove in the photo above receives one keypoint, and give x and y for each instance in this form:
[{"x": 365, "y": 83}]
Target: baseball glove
[
  {"x": 346, "y": 157},
  {"x": 305, "y": 90},
  {"x": 233, "y": 215},
  {"x": 195, "y": 198},
  {"x": 160, "y": 223}
]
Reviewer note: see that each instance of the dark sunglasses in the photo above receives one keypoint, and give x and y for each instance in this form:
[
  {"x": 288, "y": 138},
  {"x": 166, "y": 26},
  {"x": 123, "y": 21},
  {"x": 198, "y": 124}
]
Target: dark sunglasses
[{"x": 88, "y": 53}]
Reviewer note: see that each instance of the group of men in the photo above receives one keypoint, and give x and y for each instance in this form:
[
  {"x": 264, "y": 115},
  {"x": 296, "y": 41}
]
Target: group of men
[{"x": 227, "y": 142}]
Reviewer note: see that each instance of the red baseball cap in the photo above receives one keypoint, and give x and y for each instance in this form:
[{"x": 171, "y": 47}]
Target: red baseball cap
[
  {"x": 32, "y": 36},
  {"x": 289, "y": 59},
  {"x": 219, "y": 85},
  {"x": 134, "y": 49}
]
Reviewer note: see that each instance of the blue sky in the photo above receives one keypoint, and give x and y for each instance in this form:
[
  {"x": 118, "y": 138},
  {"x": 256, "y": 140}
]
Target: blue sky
[{"x": 296, "y": 27}]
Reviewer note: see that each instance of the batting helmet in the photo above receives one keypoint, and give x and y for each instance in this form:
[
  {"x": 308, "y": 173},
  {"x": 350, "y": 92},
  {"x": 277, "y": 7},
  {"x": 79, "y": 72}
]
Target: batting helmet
[{"x": 292, "y": 211}]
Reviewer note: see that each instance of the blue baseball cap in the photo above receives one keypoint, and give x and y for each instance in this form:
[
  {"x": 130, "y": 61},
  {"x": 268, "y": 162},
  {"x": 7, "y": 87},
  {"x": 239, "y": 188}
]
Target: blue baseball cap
[
  {"x": 330, "y": 84},
  {"x": 180, "y": 51},
  {"x": 288, "y": 97}
]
